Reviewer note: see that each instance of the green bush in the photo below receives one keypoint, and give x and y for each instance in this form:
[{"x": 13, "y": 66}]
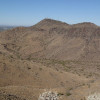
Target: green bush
[{"x": 68, "y": 94}]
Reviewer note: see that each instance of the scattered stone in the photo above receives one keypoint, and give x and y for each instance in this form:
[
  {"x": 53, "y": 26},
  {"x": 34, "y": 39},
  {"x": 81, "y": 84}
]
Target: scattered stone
[
  {"x": 95, "y": 96},
  {"x": 48, "y": 96}
]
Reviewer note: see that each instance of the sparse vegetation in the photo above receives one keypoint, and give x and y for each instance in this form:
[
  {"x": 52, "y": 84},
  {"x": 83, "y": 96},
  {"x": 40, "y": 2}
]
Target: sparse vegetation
[
  {"x": 60, "y": 94},
  {"x": 40, "y": 69},
  {"x": 68, "y": 94}
]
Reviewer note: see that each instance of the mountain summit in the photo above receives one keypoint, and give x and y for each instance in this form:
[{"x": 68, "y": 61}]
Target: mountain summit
[{"x": 48, "y": 23}]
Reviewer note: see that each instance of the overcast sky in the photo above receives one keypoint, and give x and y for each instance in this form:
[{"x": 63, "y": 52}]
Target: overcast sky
[{"x": 29, "y": 12}]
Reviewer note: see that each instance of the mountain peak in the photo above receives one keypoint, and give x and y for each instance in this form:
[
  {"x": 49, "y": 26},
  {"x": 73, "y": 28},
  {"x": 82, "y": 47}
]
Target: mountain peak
[
  {"x": 86, "y": 24},
  {"x": 50, "y": 22}
]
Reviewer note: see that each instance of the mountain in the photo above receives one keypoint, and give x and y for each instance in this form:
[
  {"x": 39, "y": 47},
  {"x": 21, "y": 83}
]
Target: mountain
[
  {"x": 49, "y": 55},
  {"x": 53, "y": 39}
]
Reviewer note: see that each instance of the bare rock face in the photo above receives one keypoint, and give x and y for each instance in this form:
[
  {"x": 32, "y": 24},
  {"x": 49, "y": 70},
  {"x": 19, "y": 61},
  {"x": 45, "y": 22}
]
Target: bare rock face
[{"x": 48, "y": 96}]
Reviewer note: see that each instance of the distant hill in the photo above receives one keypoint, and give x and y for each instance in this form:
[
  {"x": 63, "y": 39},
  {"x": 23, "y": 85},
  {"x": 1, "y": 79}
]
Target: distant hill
[{"x": 2, "y": 28}]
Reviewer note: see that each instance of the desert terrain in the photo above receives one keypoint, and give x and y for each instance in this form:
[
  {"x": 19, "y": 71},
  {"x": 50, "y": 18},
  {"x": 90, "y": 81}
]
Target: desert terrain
[{"x": 50, "y": 56}]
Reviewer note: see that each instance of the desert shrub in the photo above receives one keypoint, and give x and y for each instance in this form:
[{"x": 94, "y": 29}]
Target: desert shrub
[
  {"x": 40, "y": 69},
  {"x": 68, "y": 94},
  {"x": 59, "y": 94}
]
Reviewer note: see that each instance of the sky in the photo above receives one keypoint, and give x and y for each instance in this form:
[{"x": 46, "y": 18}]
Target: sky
[{"x": 30, "y": 12}]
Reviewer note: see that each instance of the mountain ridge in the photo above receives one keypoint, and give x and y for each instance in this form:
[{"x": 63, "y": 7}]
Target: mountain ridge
[
  {"x": 51, "y": 34},
  {"x": 52, "y": 21}
]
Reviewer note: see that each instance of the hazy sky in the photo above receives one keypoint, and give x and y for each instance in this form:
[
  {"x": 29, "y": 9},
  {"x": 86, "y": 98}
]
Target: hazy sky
[{"x": 29, "y": 12}]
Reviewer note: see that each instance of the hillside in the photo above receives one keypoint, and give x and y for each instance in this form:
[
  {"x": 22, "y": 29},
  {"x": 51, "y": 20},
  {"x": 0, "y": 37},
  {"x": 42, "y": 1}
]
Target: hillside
[{"x": 50, "y": 55}]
